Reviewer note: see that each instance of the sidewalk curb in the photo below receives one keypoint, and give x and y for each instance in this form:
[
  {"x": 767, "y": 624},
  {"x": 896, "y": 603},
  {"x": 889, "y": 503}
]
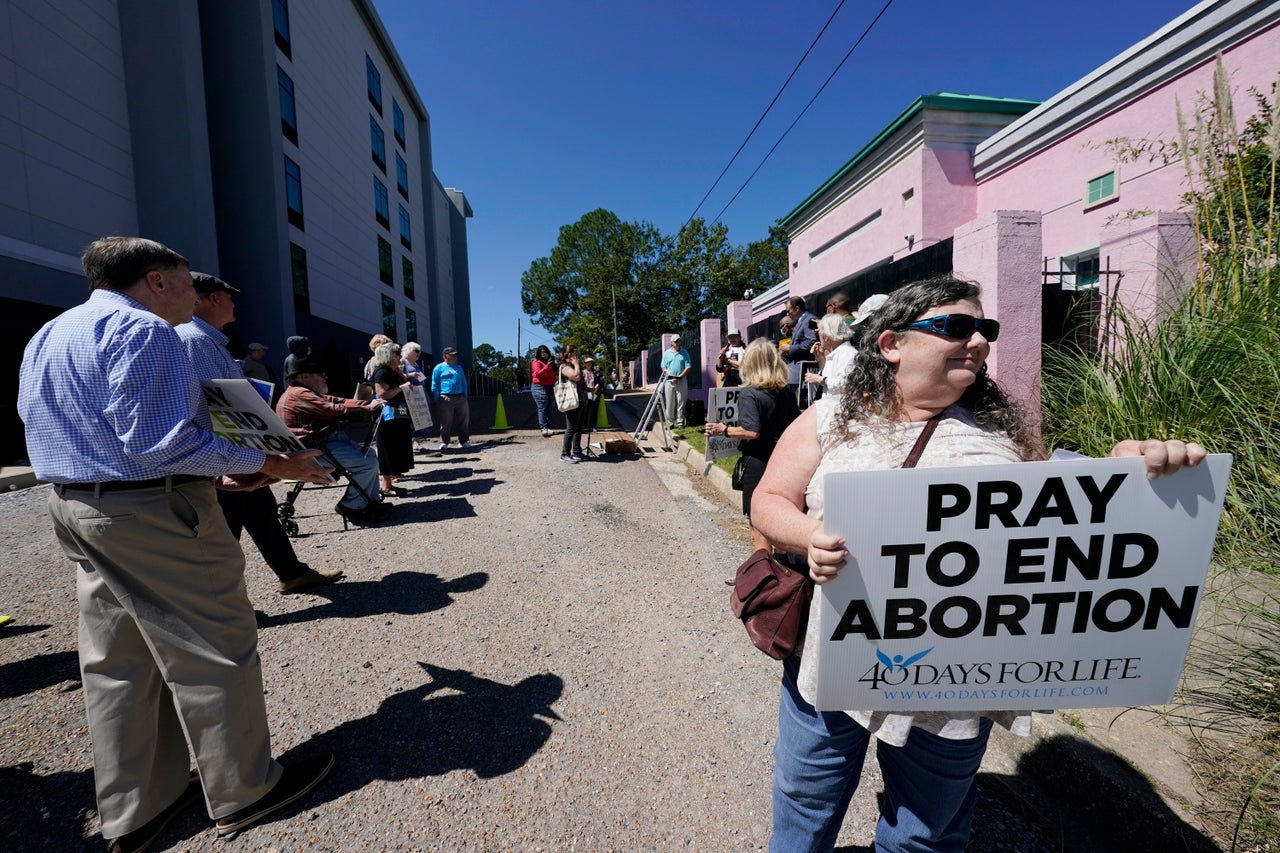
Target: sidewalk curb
[{"x": 14, "y": 477}]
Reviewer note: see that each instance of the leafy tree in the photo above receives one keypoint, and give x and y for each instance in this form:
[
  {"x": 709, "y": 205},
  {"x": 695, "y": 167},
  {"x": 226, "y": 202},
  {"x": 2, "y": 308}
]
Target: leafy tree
[{"x": 603, "y": 269}]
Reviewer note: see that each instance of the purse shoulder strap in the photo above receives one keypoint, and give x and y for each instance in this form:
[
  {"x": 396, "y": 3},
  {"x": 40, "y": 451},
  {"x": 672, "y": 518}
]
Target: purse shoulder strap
[{"x": 917, "y": 449}]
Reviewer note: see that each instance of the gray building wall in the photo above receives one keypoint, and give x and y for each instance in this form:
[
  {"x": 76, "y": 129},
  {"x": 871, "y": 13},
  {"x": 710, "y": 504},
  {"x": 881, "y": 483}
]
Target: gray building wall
[{"x": 162, "y": 118}]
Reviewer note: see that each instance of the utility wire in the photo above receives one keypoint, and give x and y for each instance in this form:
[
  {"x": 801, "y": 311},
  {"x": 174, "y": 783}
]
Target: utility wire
[
  {"x": 803, "y": 111},
  {"x": 762, "y": 115}
]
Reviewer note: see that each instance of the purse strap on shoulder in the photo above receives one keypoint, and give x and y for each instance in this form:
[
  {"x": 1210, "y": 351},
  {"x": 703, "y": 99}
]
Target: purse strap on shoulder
[{"x": 917, "y": 449}]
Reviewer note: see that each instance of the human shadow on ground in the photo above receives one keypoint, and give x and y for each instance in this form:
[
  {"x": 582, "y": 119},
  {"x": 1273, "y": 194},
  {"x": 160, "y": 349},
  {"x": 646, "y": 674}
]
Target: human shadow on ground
[
  {"x": 425, "y": 508},
  {"x": 444, "y": 475},
  {"x": 1100, "y": 802},
  {"x": 36, "y": 673},
  {"x": 455, "y": 721},
  {"x": 404, "y": 593},
  {"x": 13, "y": 630},
  {"x": 47, "y": 812},
  {"x": 479, "y": 486}
]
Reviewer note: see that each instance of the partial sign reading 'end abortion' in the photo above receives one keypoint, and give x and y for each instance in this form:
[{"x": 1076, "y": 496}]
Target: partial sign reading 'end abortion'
[{"x": 1038, "y": 585}]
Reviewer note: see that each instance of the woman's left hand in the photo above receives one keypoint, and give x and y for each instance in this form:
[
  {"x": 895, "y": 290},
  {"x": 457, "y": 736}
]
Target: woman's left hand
[{"x": 1162, "y": 457}]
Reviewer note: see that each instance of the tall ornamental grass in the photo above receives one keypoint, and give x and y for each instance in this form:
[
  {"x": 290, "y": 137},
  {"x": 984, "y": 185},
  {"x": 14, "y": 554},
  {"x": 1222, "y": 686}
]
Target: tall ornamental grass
[{"x": 1207, "y": 369}]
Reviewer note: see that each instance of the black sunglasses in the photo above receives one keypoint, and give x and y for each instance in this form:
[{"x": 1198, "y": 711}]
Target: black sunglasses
[{"x": 959, "y": 326}]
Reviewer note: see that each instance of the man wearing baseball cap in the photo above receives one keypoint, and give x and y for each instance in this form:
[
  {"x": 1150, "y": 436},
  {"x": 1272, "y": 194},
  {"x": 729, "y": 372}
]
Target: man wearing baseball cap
[
  {"x": 253, "y": 510},
  {"x": 449, "y": 387}
]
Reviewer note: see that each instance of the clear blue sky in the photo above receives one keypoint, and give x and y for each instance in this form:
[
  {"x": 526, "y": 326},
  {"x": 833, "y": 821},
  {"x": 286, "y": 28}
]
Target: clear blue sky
[{"x": 542, "y": 110}]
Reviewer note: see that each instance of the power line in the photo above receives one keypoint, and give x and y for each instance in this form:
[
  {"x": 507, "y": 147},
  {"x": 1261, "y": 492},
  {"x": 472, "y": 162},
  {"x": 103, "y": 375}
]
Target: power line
[
  {"x": 762, "y": 115},
  {"x": 803, "y": 111}
]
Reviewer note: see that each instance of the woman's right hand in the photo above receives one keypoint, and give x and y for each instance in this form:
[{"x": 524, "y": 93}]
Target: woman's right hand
[{"x": 827, "y": 555}]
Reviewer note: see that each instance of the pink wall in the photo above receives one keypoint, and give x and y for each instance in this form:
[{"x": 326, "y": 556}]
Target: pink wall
[
  {"x": 878, "y": 241},
  {"x": 1052, "y": 180}
]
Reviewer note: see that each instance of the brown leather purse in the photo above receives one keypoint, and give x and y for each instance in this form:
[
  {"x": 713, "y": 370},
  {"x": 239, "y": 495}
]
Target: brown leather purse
[{"x": 772, "y": 599}]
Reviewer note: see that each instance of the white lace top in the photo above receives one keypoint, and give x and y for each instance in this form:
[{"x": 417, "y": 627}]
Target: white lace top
[{"x": 883, "y": 445}]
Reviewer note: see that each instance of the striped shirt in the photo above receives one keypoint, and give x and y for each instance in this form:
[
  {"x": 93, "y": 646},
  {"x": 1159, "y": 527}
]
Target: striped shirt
[{"x": 107, "y": 393}]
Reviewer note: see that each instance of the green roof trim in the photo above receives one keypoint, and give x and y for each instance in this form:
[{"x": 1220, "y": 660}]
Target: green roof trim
[{"x": 939, "y": 100}]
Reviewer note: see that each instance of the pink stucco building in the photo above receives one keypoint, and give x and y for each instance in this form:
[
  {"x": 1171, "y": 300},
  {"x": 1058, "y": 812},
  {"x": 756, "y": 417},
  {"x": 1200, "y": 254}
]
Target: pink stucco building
[{"x": 1034, "y": 201}]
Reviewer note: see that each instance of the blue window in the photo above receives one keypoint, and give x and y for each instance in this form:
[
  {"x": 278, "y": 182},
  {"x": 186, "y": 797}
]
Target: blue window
[
  {"x": 410, "y": 324},
  {"x": 384, "y": 262},
  {"x": 280, "y": 19},
  {"x": 301, "y": 288},
  {"x": 406, "y": 269},
  {"x": 293, "y": 191},
  {"x": 397, "y": 122},
  {"x": 402, "y": 176},
  {"x": 406, "y": 238},
  {"x": 374, "y": 78},
  {"x": 378, "y": 144},
  {"x": 288, "y": 109},
  {"x": 389, "y": 317},
  {"x": 381, "y": 207}
]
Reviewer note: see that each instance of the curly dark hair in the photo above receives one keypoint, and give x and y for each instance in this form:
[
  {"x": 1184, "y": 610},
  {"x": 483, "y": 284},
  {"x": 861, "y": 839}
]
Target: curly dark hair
[{"x": 871, "y": 390}]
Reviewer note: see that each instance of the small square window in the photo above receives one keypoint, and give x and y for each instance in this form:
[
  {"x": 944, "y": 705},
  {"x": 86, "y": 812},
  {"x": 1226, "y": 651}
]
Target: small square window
[
  {"x": 293, "y": 191},
  {"x": 402, "y": 176},
  {"x": 378, "y": 144},
  {"x": 381, "y": 207},
  {"x": 374, "y": 79},
  {"x": 397, "y": 122},
  {"x": 301, "y": 287},
  {"x": 406, "y": 233},
  {"x": 908, "y": 196},
  {"x": 406, "y": 272},
  {"x": 384, "y": 262},
  {"x": 389, "y": 317},
  {"x": 1102, "y": 188}
]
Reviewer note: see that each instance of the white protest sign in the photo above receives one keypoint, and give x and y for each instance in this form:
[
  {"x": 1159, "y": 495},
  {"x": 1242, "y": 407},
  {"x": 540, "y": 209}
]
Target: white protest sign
[
  {"x": 419, "y": 407},
  {"x": 1035, "y": 585},
  {"x": 242, "y": 417},
  {"x": 722, "y": 408}
]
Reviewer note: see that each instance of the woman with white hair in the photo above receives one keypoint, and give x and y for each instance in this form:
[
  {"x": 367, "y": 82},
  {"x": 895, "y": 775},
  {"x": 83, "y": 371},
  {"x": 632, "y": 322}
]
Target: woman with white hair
[
  {"x": 410, "y": 353},
  {"x": 395, "y": 434},
  {"x": 835, "y": 354}
]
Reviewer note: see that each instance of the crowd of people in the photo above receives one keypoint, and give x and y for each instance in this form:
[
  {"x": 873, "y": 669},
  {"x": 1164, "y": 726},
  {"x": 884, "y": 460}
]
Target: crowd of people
[{"x": 144, "y": 491}]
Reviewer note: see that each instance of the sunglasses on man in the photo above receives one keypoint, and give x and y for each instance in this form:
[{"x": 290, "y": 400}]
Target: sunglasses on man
[{"x": 958, "y": 326}]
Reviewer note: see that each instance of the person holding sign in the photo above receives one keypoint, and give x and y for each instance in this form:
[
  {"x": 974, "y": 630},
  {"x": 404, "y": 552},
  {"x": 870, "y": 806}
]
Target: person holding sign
[
  {"x": 254, "y": 510},
  {"x": 168, "y": 638},
  {"x": 395, "y": 434},
  {"x": 766, "y": 407},
  {"x": 922, "y": 363}
]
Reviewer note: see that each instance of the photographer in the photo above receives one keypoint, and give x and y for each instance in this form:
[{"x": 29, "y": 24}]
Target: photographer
[{"x": 729, "y": 361}]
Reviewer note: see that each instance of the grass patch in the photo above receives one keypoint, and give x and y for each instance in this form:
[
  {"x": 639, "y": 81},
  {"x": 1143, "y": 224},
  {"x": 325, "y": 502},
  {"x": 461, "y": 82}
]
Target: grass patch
[{"x": 697, "y": 439}]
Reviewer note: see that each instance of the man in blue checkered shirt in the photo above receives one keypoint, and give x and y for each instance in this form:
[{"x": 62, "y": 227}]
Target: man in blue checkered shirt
[{"x": 168, "y": 638}]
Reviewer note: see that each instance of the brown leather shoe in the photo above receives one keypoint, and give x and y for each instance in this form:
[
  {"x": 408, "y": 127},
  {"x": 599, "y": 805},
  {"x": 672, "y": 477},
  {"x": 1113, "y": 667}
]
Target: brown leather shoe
[
  {"x": 297, "y": 780},
  {"x": 310, "y": 578},
  {"x": 144, "y": 836}
]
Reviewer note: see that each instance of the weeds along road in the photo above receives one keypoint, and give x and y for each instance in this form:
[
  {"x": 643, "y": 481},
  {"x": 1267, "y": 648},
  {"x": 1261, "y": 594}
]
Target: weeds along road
[{"x": 532, "y": 656}]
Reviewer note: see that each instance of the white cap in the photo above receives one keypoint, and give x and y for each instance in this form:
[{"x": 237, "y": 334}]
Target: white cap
[{"x": 870, "y": 305}]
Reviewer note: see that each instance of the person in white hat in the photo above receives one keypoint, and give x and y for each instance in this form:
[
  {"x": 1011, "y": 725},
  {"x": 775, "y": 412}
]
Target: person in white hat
[{"x": 730, "y": 360}]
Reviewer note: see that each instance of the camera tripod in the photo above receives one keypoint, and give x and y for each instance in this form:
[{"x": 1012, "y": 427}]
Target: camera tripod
[{"x": 655, "y": 413}]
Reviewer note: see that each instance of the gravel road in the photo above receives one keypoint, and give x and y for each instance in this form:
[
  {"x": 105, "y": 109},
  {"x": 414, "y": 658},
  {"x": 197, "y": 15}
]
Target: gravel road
[{"x": 535, "y": 656}]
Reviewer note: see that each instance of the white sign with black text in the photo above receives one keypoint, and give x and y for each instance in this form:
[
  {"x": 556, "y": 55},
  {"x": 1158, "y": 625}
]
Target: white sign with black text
[
  {"x": 722, "y": 408},
  {"x": 1037, "y": 585}
]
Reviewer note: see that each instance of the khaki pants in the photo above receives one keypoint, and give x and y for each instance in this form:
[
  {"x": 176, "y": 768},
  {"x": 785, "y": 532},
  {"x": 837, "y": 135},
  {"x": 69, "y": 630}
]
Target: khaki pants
[{"x": 168, "y": 651}]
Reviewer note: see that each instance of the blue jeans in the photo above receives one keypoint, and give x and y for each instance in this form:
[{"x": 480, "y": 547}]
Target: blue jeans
[
  {"x": 363, "y": 469},
  {"x": 929, "y": 784},
  {"x": 541, "y": 397}
]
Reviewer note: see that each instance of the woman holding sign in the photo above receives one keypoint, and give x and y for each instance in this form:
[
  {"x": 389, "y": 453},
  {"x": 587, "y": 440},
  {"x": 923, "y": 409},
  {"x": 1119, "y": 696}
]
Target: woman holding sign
[
  {"x": 766, "y": 407},
  {"x": 923, "y": 360},
  {"x": 395, "y": 434}
]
